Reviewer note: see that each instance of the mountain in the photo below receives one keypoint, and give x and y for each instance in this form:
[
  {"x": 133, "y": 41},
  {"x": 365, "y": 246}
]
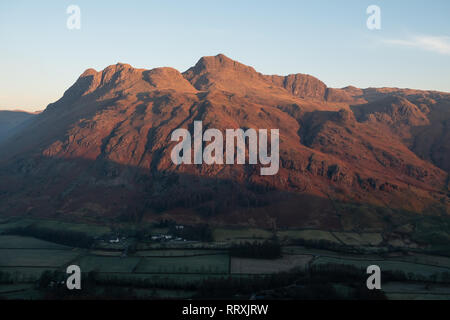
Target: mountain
[
  {"x": 10, "y": 120},
  {"x": 102, "y": 151}
]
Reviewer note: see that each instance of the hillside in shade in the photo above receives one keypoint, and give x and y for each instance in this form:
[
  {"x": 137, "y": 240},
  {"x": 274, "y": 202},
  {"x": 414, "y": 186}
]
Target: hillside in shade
[
  {"x": 103, "y": 150},
  {"x": 10, "y": 121}
]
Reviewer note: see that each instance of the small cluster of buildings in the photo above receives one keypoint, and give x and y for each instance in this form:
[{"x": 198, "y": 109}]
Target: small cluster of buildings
[
  {"x": 166, "y": 237},
  {"x": 112, "y": 239},
  {"x": 116, "y": 239}
]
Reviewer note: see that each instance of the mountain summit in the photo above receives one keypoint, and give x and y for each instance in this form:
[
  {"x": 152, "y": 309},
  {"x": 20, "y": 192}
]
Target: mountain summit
[{"x": 103, "y": 150}]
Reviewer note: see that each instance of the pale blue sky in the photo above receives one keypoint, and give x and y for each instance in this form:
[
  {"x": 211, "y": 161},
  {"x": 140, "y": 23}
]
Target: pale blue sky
[{"x": 40, "y": 58}]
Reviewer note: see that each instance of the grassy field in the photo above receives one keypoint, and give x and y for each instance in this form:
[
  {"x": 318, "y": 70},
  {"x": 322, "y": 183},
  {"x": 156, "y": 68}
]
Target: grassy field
[
  {"x": 163, "y": 294},
  {"x": 417, "y": 296},
  {"x": 12, "y": 224},
  {"x": 385, "y": 265},
  {"x": 26, "y": 294},
  {"x": 177, "y": 253},
  {"x": 253, "y": 266},
  {"x": 88, "y": 229},
  {"x": 359, "y": 239},
  {"x": 194, "y": 264},
  {"x": 427, "y": 259},
  {"x": 159, "y": 280},
  {"x": 165, "y": 280},
  {"x": 416, "y": 291},
  {"x": 19, "y": 242},
  {"x": 36, "y": 257},
  {"x": 307, "y": 235},
  {"x": 6, "y": 288},
  {"x": 105, "y": 253},
  {"x": 25, "y": 274},
  {"x": 107, "y": 264},
  {"x": 224, "y": 234}
]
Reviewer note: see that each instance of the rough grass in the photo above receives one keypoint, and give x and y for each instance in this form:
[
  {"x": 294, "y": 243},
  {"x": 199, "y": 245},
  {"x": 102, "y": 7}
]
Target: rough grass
[
  {"x": 411, "y": 287},
  {"x": 107, "y": 264},
  {"x": 427, "y": 259},
  {"x": 164, "y": 280},
  {"x": 385, "y": 265},
  {"x": 159, "y": 280},
  {"x": 10, "y": 225},
  {"x": 88, "y": 229},
  {"x": 432, "y": 230},
  {"x": 36, "y": 257},
  {"x": 224, "y": 234},
  {"x": 176, "y": 253},
  {"x": 417, "y": 296},
  {"x": 25, "y": 274},
  {"x": 164, "y": 294},
  {"x": 260, "y": 266},
  {"x": 359, "y": 239},
  {"x": 199, "y": 264},
  {"x": 20, "y": 242},
  {"x": 8, "y": 288},
  {"x": 105, "y": 253},
  {"x": 27, "y": 294},
  {"x": 307, "y": 235}
]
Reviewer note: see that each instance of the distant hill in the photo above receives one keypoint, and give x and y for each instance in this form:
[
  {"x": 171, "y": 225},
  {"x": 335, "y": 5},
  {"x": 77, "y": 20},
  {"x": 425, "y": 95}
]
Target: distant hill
[
  {"x": 103, "y": 150},
  {"x": 9, "y": 120}
]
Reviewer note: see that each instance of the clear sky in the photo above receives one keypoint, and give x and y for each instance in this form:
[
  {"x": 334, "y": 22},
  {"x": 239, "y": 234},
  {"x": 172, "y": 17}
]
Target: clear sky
[{"x": 40, "y": 57}]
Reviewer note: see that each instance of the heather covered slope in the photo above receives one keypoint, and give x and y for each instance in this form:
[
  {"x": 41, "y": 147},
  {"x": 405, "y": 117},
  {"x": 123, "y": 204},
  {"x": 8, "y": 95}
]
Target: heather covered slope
[{"x": 103, "y": 149}]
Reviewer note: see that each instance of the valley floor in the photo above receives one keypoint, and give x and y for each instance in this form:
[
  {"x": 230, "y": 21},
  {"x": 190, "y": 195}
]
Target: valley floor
[{"x": 190, "y": 269}]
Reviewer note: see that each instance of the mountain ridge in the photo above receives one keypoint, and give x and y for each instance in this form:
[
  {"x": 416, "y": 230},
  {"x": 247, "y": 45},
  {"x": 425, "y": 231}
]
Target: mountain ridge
[{"x": 361, "y": 146}]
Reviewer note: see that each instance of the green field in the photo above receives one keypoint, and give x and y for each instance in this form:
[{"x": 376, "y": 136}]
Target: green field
[
  {"x": 36, "y": 258},
  {"x": 194, "y": 264},
  {"x": 307, "y": 235},
  {"x": 224, "y": 234},
  {"x": 105, "y": 253},
  {"x": 416, "y": 291},
  {"x": 165, "y": 280},
  {"x": 163, "y": 294},
  {"x": 6, "y": 288},
  {"x": 25, "y": 274},
  {"x": 19, "y": 242},
  {"x": 24, "y": 294},
  {"x": 88, "y": 229},
  {"x": 427, "y": 259},
  {"x": 262, "y": 266},
  {"x": 385, "y": 265},
  {"x": 417, "y": 296},
  {"x": 359, "y": 239},
  {"x": 107, "y": 264},
  {"x": 9, "y": 225},
  {"x": 177, "y": 253}
]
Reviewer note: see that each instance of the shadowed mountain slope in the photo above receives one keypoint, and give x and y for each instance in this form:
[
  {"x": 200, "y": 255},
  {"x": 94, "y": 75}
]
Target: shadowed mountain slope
[{"x": 11, "y": 120}]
